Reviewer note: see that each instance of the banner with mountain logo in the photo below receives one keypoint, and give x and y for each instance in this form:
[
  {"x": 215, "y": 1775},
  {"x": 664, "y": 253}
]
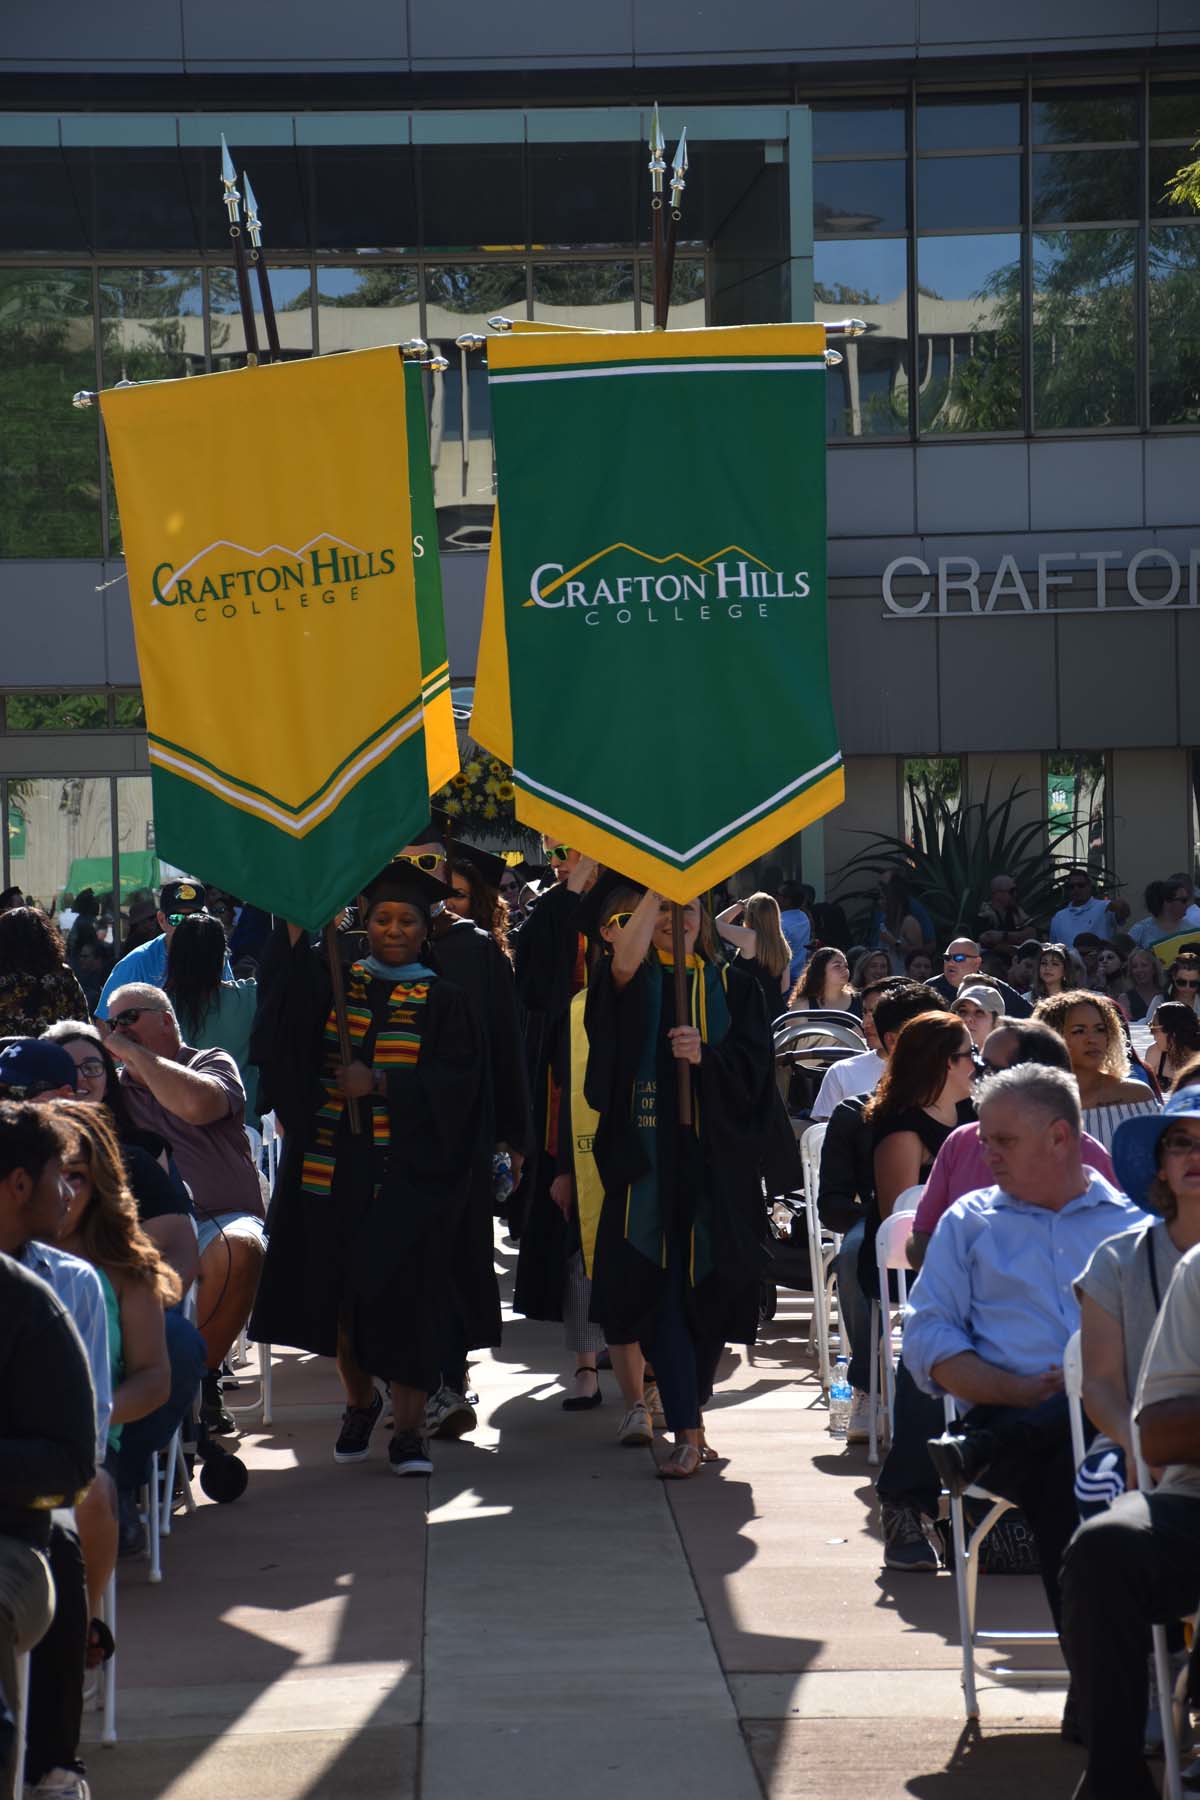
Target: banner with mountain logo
[
  {"x": 654, "y": 662},
  {"x": 268, "y": 526}
]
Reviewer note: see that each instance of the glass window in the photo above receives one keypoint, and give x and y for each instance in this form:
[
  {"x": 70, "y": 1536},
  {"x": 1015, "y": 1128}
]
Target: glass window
[
  {"x": 360, "y": 308},
  {"x": 1075, "y": 117},
  {"x": 928, "y": 778},
  {"x": 61, "y": 847},
  {"x": 473, "y": 198},
  {"x": 129, "y": 712},
  {"x": 50, "y": 495},
  {"x": 141, "y": 873},
  {"x": 275, "y": 172},
  {"x": 364, "y": 197},
  {"x": 1080, "y": 185},
  {"x": 38, "y": 207},
  {"x": 1084, "y": 363},
  {"x": 956, "y": 193},
  {"x": 290, "y": 296},
  {"x": 1175, "y": 110},
  {"x": 1076, "y": 795},
  {"x": 1165, "y": 165},
  {"x": 969, "y": 333},
  {"x": 854, "y": 197},
  {"x": 134, "y": 198},
  {"x": 687, "y": 294},
  {"x": 582, "y": 196},
  {"x": 955, "y": 122},
  {"x": 56, "y": 712},
  {"x": 151, "y": 324},
  {"x": 586, "y": 293},
  {"x": 868, "y": 279},
  {"x": 1175, "y": 325},
  {"x": 459, "y": 298},
  {"x": 857, "y": 130}
]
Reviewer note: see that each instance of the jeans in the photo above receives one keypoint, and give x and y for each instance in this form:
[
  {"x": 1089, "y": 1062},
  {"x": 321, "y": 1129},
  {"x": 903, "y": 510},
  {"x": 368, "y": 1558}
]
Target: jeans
[
  {"x": 140, "y": 1438},
  {"x": 907, "y": 1477},
  {"x": 685, "y": 1365},
  {"x": 26, "y": 1612},
  {"x": 1135, "y": 1565},
  {"x": 56, "y": 1666},
  {"x": 1034, "y": 1467},
  {"x": 854, "y": 1309}
]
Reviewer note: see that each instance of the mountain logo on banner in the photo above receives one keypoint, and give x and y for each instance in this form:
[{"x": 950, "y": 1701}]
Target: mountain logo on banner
[
  {"x": 231, "y": 579},
  {"x": 673, "y": 587}
]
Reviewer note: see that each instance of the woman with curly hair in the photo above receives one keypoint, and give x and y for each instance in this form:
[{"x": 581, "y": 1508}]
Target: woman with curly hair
[
  {"x": 36, "y": 985},
  {"x": 825, "y": 983},
  {"x": 101, "y": 1226},
  {"x": 1176, "y": 1031},
  {"x": 474, "y": 877},
  {"x": 1093, "y": 1031}
]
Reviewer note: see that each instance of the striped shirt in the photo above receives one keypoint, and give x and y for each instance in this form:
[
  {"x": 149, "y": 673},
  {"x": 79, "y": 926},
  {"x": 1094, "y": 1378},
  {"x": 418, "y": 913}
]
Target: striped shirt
[
  {"x": 78, "y": 1287},
  {"x": 1102, "y": 1121}
]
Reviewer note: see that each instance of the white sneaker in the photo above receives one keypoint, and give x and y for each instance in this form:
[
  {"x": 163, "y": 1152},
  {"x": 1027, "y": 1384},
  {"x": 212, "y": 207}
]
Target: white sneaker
[
  {"x": 858, "y": 1431},
  {"x": 449, "y": 1414},
  {"x": 60, "y": 1784},
  {"x": 635, "y": 1426}
]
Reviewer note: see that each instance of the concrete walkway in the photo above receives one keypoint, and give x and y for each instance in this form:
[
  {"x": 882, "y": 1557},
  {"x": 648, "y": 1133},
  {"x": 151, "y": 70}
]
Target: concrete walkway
[{"x": 545, "y": 1620}]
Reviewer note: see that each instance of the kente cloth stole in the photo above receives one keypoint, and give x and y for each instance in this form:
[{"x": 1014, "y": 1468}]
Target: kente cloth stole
[
  {"x": 397, "y": 1046},
  {"x": 708, "y": 1010}
]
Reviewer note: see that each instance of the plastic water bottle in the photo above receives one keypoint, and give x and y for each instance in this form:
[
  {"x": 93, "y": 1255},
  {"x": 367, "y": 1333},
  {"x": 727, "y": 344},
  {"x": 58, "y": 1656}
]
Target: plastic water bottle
[{"x": 840, "y": 1397}]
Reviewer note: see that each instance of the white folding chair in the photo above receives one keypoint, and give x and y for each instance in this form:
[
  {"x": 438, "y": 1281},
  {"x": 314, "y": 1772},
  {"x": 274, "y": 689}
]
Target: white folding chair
[
  {"x": 967, "y": 1550},
  {"x": 20, "y": 1705},
  {"x": 1170, "y": 1704},
  {"x": 893, "y": 1234},
  {"x": 104, "y": 1699},
  {"x": 165, "y": 1466},
  {"x": 823, "y": 1247}
]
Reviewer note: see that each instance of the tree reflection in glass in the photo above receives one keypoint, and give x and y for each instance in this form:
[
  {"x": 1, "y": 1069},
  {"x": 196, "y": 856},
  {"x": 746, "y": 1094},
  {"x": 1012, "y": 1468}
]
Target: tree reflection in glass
[
  {"x": 969, "y": 333},
  {"x": 50, "y": 497},
  {"x": 1175, "y": 325},
  {"x": 1084, "y": 364},
  {"x": 867, "y": 279}
]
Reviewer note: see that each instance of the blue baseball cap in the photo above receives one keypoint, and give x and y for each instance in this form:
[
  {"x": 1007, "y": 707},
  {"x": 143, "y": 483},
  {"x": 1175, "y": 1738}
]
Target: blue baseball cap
[
  {"x": 1135, "y": 1143},
  {"x": 31, "y": 1066}
]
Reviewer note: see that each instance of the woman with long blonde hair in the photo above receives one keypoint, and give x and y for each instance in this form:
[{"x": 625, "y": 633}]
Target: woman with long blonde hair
[
  {"x": 760, "y": 943},
  {"x": 101, "y": 1227}
]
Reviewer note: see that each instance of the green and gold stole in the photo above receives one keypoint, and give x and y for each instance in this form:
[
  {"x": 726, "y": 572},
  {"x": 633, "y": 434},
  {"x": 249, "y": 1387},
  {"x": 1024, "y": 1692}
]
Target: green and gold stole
[
  {"x": 397, "y": 1046},
  {"x": 708, "y": 1011}
]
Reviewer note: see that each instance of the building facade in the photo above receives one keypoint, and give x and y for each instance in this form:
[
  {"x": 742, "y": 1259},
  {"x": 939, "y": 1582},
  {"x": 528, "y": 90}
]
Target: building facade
[{"x": 1014, "y": 445}]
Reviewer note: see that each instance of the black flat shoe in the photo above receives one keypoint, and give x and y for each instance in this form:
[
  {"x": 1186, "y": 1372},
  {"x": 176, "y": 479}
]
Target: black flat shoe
[
  {"x": 585, "y": 1402},
  {"x": 960, "y": 1458}
]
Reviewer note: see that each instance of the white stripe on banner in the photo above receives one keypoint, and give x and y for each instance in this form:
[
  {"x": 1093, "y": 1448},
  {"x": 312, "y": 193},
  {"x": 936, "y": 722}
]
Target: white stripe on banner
[
  {"x": 666, "y": 368},
  {"x": 680, "y": 856}
]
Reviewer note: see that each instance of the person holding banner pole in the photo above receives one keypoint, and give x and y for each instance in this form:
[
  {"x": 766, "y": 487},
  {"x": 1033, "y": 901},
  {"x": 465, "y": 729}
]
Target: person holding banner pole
[
  {"x": 680, "y": 1243},
  {"x": 364, "y": 1225}
]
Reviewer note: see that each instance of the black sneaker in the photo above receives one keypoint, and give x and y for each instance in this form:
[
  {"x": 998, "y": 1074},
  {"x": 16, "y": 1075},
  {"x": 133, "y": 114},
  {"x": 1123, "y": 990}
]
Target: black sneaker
[
  {"x": 131, "y": 1533},
  {"x": 212, "y": 1412},
  {"x": 906, "y": 1541},
  {"x": 408, "y": 1454},
  {"x": 358, "y": 1422}
]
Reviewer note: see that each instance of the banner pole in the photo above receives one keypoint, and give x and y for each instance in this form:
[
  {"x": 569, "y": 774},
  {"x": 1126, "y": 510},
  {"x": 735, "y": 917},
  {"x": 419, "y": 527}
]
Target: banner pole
[
  {"x": 338, "y": 986},
  {"x": 254, "y": 230},
  {"x": 233, "y": 207}
]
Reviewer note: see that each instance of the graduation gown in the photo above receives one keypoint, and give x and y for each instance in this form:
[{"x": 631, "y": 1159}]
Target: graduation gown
[
  {"x": 378, "y": 1250},
  {"x": 711, "y": 1175}
]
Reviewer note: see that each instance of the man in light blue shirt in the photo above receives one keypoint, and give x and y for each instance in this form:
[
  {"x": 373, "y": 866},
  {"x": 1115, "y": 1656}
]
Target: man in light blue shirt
[
  {"x": 148, "y": 963},
  {"x": 994, "y": 1305}
]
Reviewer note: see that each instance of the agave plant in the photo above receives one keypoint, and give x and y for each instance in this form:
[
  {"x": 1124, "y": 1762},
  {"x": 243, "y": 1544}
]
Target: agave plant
[{"x": 956, "y": 850}]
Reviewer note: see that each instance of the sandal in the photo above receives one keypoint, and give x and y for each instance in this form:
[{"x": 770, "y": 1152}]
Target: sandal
[
  {"x": 684, "y": 1461},
  {"x": 101, "y": 1645},
  {"x": 708, "y": 1454}
]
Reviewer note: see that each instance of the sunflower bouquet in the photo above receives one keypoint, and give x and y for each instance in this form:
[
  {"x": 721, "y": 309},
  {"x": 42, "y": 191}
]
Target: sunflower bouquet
[{"x": 480, "y": 796}]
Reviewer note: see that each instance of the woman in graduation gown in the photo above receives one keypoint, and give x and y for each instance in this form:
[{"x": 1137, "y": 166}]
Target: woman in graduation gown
[
  {"x": 363, "y": 1226},
  {"x": 680, "y": 1244}
]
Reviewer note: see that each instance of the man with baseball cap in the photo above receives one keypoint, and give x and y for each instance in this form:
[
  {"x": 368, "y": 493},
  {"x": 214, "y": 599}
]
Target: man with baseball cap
[
  {"x": 32, "y": 1069},
  {"x": 148, "y": 963}
]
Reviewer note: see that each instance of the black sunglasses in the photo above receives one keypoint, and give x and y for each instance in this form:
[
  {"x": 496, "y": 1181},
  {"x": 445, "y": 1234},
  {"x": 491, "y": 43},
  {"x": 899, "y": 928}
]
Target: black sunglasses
[
  {"x": 198, "y": 912},
  {"x": 959, "y": 955},
  {"x": 132, "y": 1014}
]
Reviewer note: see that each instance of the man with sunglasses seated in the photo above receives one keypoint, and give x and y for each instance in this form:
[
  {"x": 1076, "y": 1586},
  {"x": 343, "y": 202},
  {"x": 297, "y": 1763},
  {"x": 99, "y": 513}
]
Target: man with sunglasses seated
[
  {"x": 148, "y": 963},
  {"x": 195, "y": 1100},
  {"x": 962, "y": 961}
]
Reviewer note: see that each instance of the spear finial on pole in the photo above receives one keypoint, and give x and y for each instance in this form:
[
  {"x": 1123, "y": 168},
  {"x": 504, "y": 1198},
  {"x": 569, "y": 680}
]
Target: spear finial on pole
[
  {"x": 254, "y": 232},
  {"x": 233, "y": 206},
  {"x": 656, "y": 165}
]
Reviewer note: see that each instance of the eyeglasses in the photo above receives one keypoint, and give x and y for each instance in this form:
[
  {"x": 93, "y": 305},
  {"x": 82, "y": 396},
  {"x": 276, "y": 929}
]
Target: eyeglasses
[
  {"x": 960, "y": 955},
  {"x": 988, "y": 1067},
  {"x": 960, "y": 1055},
  {"x": 427, "y": 860},
  {"x": 620, "y": 920},
  {"x": 91, "y": 1066},
  {"x": 1179, "y": 1146},
  {"x": 132, "y": 1014},
  {"x": 176, "y": 919},
  {"x": 1183, "y": 981},
  {"x": 559, "y": 853}
]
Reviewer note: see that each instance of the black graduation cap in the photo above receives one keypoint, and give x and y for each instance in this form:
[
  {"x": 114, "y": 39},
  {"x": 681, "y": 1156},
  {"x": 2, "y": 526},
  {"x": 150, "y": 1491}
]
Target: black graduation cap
[
  {"x": 490, "y": 868},
  {"x": 402, "y": 880},
  {"x": 439, "y": 830},
  {"x": 595, "y": 909}
]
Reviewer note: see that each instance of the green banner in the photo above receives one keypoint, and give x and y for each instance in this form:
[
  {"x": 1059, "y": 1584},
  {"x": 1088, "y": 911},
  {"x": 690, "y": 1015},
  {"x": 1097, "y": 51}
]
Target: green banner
[{"x": 655, "y": 632}]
